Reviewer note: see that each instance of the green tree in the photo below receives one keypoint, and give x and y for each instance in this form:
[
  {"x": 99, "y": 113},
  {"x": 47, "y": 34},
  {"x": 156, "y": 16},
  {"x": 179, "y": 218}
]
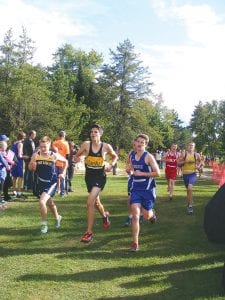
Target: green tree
[
  {"x": 25, "y": 48},
  {"x": 24, "y": 95},
  {"x": 126, "y": 80},
  {"x": 205, "y": 125},
  {"x": 72, "y": 78}
]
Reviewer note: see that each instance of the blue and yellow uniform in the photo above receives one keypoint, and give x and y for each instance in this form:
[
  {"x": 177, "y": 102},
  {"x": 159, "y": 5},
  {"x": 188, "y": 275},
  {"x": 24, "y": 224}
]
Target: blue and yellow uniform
[
  {"x": 46, "y": 173},
  {"x": 143, "y": 187},
  {"x": 95, "y": 169}
]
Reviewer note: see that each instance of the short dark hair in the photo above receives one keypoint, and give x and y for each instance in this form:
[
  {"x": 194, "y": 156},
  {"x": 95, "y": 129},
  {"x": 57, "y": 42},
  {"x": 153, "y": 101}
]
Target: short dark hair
[
  {"x": 31, "y": 132},
  {"x": 62, "y": 133},
  {"x": 98, "y": 127}
]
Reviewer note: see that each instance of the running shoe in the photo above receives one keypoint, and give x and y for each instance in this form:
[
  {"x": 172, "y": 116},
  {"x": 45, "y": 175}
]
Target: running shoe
[
  {"x": 153, "y": 218},
  {"x": 58, "y": 222},
  {"x": 87, "y": 237},
  {"x": 44, "y": 228},
  {"x": 190, "y": 210},
  {"x": 134, "y": 247},
  {"x": 105, "y": 220},
  {"x": 128, "y": 221}
]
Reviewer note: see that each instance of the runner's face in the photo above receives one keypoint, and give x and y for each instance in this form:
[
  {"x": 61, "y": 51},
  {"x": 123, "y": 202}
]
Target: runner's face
[
  {"x": 140, "y": 144},
  {"x": 174, "y": 147},
  {"x": 191, "y": 147},
  {"x": 44, "y": 147},
  {"x": 95, "y": 134}
]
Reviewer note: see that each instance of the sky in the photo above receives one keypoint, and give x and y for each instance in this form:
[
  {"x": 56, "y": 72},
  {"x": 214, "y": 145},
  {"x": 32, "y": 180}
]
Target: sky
[{"x": 182, "y": 42}]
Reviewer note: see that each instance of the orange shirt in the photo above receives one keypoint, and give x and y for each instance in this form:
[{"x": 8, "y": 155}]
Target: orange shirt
[{"x": 63, "y": 149}]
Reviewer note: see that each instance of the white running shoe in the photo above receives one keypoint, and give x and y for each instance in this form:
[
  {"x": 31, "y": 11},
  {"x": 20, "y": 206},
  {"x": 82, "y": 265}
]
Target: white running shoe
[
  {"x": 58, "y": 222},
  {"x": 44, "y": 228}
]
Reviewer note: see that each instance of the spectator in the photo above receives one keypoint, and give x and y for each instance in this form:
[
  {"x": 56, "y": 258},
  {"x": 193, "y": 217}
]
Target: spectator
[
  {"x": 71, "y": 165},
  {"x": 28, "y": 150},
  {"x": 17, "y": 170},
  {"x": 63, "y": 148}
]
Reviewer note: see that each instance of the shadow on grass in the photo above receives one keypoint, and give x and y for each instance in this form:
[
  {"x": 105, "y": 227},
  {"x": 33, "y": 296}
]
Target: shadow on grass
[
  {"x": 174, "y": 237},
  {"x": 178, "y": 276}
]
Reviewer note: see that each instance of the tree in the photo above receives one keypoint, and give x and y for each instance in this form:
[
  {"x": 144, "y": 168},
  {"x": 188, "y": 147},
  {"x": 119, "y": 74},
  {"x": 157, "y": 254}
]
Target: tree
[
  {"x": 205, "y": 124},
  {"x": 25, "y": 48},
  {"x": 126, "y": 81},
  {"x": 23, "y": 88},
  {"x": 72, "y": 78},
  {"x": 7, "y": 62}
]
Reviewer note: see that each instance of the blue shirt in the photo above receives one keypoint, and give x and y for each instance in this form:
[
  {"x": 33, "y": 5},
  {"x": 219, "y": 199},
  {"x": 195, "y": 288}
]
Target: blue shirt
[{"x": 141, "y": 182}]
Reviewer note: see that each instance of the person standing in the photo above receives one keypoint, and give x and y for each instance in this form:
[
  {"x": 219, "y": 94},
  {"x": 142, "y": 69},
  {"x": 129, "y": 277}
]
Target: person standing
[
  {"x": 71, "y": 165},
  {"x": 63, "y": 148},
  {"x": 170, "y": 158},
  {"x": 9, "y": 156},
  {"x": 143, "y": 194},
  {"x": 17, "y": 170},
  {"x": 158, "y": 157},
  {"x": 28, "y": 150},
  {"x": 95, "y": 152},
  {"x": 43, "y": 162},
  {"x": 190, "y": 161},
  {"x": 3, "y": 167},
  {"x": 202, "y": 164}
]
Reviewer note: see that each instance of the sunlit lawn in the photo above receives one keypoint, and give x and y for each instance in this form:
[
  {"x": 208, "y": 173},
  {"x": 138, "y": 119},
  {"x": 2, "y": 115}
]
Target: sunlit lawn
[{"x": 175, "y": 260}]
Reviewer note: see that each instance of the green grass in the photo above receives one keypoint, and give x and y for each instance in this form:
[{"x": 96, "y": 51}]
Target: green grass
[{"x": 175, "y": 260}]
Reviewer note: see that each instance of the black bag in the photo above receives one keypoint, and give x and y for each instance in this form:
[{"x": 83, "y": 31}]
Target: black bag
[{"x": 214, "y": 217}]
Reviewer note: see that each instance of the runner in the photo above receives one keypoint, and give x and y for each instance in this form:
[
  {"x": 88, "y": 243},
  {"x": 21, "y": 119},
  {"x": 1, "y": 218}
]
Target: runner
[
  {"x": 43, "y": 162},
  {"x": 170, "y": 158},
  {"x": 145, "y": 168},
  {"x": 190, "y": 160},
  {"x": 95, "y": 152}
]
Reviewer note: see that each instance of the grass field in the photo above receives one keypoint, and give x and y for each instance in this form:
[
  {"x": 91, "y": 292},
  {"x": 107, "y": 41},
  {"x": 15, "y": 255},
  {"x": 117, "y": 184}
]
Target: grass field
[{"x": 175, "y": 260}]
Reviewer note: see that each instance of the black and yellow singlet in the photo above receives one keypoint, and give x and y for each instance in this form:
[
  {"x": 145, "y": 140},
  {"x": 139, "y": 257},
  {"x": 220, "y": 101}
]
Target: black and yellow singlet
[{"x": 94, "y": 162}]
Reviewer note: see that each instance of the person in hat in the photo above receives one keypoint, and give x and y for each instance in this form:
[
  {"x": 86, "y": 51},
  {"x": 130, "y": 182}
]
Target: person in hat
[
  {"x": 63, "y": 148},
  {"x": 4, "y": 138}
]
